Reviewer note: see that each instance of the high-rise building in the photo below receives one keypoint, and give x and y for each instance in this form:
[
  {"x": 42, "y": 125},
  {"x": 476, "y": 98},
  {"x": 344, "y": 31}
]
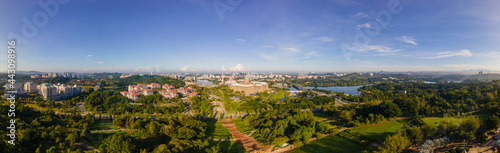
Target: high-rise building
[
  {"x": 17, "y": 87},
  {"x": 53, "y": 92},
  {"x": 30, "y": 87}
]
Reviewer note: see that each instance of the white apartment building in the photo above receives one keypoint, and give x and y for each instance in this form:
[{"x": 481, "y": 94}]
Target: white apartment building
[
  {"x": 53, "y": 92},
  {"x": 30, "y": 87}
]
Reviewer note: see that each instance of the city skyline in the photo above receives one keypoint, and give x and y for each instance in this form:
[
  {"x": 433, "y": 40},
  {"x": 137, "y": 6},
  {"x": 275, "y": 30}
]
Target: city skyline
[{"x": 198, "y": 36}]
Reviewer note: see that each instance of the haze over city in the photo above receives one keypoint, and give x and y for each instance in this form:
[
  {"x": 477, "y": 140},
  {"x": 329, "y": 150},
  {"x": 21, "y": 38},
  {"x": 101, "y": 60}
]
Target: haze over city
[{"x": 192, "y": 36}]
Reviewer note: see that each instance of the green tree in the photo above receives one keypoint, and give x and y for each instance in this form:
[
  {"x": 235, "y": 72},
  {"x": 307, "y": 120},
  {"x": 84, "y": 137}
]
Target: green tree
[
  {"x": 52, "y": 149},
  {"x": 118, "y": 143},
  {"x": 390, "y": 109},
  {"x": 161, "y": 149},
  {"x": 471, "y": 124},
  {"x": 395, "y": 143}
]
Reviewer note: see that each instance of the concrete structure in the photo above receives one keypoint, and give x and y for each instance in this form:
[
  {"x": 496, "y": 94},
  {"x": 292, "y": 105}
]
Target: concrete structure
[
  {"x": 53, "y": 92},
  {"x": 30, "y": 87},
  {"x": 169, "y": 94},
  {"x": 249, "y": 87},
  {"x": 14, "y": 87}
]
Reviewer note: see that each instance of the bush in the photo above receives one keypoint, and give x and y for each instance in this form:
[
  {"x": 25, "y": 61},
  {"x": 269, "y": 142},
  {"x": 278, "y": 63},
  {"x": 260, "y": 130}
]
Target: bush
[{"x": 333, "y": 131}]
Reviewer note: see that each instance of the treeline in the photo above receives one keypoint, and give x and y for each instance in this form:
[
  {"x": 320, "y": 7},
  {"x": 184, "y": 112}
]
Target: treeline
[
  {"x": 174, "y": 134},
  {"x": 472, "y": 130},
  {"x": 278, "y": 128},
  {"x": 429, "y": 99},
  {"x": 107, "y": 101},
  {"x": 330, "y": 82},
  {"x": 136, "y": 79},
  {"x": 44, "y": 131}
]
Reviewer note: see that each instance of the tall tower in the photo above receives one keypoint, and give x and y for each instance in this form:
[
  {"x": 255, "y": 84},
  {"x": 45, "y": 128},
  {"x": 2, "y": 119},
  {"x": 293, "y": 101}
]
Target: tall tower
[{"x": 222, "y": 77}]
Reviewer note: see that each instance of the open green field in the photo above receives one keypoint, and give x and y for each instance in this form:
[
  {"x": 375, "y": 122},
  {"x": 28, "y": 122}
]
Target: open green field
[
  {"x": 319, "y": 115},
  {"x": 216, "y": 130},
  {"x": 331, "y": 144},
  {"x": 379, "y": 131},
  {"x": 37, "y": 107},
  {"x": 279, "y": 95},
  {"x": 103, "y": 125},
  {"x": 436, "y": 120}
]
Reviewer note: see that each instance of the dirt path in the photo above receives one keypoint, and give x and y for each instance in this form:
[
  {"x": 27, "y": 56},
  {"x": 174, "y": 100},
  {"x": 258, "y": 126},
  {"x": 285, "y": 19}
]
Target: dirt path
[{"x": 250, "y": 144}]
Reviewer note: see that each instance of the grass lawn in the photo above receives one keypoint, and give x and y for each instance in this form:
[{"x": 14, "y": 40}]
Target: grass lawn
[
  {"x": 87, "y": 87},
  {"x": 216, "y": 130},
  {"x": 227, "y": 146},
  {"x": 379, "y": 131},
  {"x": 37, "y": 107},
  {"x": 279, "y": 95},
  {"x": 331, "y": 144},
  {"x": 321, "y": 115},
  {"x": 103, "y": 125},
  {"x": 436, "y": 120}
]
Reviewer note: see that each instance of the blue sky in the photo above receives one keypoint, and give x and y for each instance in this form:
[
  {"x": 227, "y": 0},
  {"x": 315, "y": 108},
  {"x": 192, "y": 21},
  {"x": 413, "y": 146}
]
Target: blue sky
[{"x": 258, "y": 35}]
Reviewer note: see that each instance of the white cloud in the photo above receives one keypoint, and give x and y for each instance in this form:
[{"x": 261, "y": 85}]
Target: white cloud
[
  {"x": 376, "y": 48},
  {"x": 184, "y": 68},
  {"x": 238, "y": 67},
  {"x": 223, "y": 68},
  {"x": 463, "y": 53},
  {"x": 100, "y": 62},
  {"x": 311, "y": 54},
  {"x": 489, "y": 54},
  {"x": 267, "y": 47},
  {"x": 89, "y": 56},
  {"x": 361, "y": 15},
  {"x": 292, "y": 49},
  {"x": 324, "y": 39},
  {"x": 407, "y": 39},
  {"x": 240, "y": 41},
  {"x": 365, "y": 25}
]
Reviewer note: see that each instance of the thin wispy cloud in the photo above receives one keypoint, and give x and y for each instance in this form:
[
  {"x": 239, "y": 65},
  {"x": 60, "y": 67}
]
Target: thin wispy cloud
[
  {"x": 311, "y": 54},
  {"x": 240, "y": 41},
  {"x": 407, "y": 39},
  {"x": 360, "y": 15},
  {"x": 364, "y": 25},
  {"x": 292, "y": 49},
  {"x": 89, "y": 56},
  {"x": 461, "y": 53},
  {"x": 324, "y": 39},
  {"x": 375, "y": 48},
  {"x": 100, "y": 62},
  {"x": 267, "y": 47}
]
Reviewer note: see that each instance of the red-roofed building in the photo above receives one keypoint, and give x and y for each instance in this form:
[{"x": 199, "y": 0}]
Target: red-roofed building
[
  {"x": 168, "y": 94},
  {"x": 192, "y": 94},
  {"x": 148, "y": 92},
  {"x": 153, "y": 85}
]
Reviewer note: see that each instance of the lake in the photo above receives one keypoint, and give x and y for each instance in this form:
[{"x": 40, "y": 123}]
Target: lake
[
  {"x": 352, "y": 90},
  {"x": 204, "y": 82},
  {"x": 290, "y": 88}
]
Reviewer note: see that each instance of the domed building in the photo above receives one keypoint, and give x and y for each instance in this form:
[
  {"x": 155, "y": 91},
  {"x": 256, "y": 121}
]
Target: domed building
[{"x": 249, "y": 87}]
